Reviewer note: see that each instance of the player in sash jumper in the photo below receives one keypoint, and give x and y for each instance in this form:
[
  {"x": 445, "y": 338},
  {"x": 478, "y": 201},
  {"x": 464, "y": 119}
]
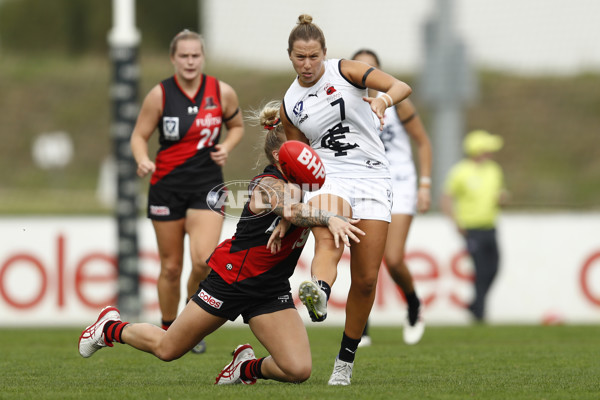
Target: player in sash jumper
[
  {"x": 249, "y": 277},
  {"x": 189, "y": 109}
]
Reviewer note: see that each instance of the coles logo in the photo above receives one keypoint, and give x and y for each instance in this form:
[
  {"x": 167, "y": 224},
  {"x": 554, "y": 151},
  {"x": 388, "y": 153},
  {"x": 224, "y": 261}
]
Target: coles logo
[
  {"x": 160, "y": 210},
  {"x": 210, "y": 300}
]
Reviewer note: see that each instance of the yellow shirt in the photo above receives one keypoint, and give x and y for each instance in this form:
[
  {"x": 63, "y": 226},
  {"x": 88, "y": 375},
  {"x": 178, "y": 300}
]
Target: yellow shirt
[{"x": 475, "y": 188}]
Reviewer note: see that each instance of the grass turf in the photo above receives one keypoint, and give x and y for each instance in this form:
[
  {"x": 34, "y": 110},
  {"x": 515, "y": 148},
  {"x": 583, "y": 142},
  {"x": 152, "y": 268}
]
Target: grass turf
[{"x": 479, "y": 362}]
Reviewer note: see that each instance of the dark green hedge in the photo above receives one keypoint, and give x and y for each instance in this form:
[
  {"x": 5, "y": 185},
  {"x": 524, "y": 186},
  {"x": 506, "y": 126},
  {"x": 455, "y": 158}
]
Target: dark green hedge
[{"x": 76, "y": 27}]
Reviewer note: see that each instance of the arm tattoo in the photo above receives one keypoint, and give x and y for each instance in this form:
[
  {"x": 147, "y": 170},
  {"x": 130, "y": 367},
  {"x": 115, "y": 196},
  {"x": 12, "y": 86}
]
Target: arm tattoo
[
  {"x": 265, "y": 198},
  {"x": 299, "y": 214},
  {"x": 306, "y": 216}
]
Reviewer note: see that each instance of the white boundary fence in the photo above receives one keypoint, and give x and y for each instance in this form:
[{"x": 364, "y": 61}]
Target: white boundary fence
[{"x": 62, "y": 270}]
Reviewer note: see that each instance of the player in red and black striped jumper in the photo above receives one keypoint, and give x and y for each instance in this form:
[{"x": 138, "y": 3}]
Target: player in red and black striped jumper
[
  {"x": 188, "y": 109},
  {"x": 250, "y": 277}
]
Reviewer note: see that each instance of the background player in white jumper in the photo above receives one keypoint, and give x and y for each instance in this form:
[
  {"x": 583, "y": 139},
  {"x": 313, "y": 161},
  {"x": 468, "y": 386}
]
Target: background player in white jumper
[
  {"x": 328, "y": 107},
  {"x": 249, "y": 277},
  {"x": 402, "y": 124}
]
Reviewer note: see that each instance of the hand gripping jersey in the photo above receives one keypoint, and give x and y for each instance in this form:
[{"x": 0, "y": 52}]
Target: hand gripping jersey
[
  {"x": 244, "y": 260},
  {"x": 339, "y": 125},
  {"x": 397, "y": 146},
  {"x": 189, "y": 128}
]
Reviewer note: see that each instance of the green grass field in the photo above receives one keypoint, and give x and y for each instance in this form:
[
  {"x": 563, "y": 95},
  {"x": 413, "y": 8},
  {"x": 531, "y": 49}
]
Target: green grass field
[{"x": 473, "y": 362}]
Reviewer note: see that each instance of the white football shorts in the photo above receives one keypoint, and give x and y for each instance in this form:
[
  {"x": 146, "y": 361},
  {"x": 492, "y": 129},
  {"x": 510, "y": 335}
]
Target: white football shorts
[
  {"x": 405, "y": 194},
  {"x": 369, "y": 198}
]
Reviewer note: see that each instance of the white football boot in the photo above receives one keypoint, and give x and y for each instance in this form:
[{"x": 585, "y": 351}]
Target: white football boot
[
  {"x": 230, "y": 375},
  {"x": 342, "y": 372},
  {"x": 412, "y": 334},
  {"x": 365, "y": 341},
  {"x": 92, "y": 338},
  {"x": 414, "y": 326},
  {"x": 315, "y": 300}
]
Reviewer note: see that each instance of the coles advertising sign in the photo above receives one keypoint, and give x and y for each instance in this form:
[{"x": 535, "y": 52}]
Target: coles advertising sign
[{"x": 62, "y": 271}]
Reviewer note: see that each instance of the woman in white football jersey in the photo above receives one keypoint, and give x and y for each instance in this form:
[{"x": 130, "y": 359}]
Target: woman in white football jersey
[
  {"x": 328, "y": 107},
  {"x": 401, "y": 125}
]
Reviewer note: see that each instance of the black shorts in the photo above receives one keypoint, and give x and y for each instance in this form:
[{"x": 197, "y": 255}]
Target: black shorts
[
  {"x": 169, "y": 205},
  {"x": 221, "y": 299}
]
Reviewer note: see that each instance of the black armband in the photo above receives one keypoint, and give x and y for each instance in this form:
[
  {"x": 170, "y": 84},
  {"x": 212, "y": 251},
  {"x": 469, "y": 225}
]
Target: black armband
[
  {"x": 237, "y": 110},
  {"x": 408, "y": 119},
  {"x": 364, "y": 78}
]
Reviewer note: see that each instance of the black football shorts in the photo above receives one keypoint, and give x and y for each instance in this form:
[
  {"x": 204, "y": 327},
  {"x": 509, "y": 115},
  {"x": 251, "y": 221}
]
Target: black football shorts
[{"x": 221, "y": 299}]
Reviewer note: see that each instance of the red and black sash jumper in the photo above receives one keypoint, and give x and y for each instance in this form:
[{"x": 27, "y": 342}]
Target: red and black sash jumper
[
  {"x": 189, "y": 129},
  {"x": 244, "y": 261}
]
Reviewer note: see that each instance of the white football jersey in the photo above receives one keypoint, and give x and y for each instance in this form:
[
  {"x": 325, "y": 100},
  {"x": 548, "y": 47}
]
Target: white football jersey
[
  {"x": 397, "y": 146},
  {"x": 339, "y": 125}
]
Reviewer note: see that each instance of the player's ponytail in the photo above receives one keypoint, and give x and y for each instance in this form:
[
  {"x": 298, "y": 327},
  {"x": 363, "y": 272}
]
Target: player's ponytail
[{"x": 268, "y": 119}]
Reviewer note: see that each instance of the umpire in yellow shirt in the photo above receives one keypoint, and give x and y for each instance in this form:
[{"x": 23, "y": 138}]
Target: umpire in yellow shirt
[{"x": 473, "y": 193}]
